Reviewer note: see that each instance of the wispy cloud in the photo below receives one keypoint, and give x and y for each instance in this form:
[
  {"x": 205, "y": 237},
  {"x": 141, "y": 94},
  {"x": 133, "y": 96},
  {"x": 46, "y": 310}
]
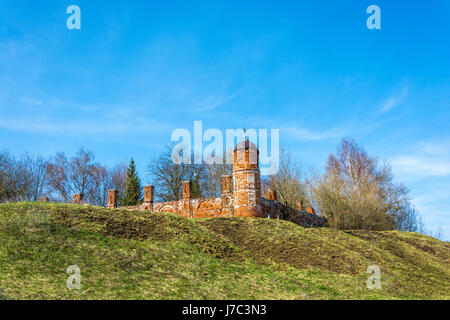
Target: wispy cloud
[
  {"x": 432, "y": 205},
  {"x": 428, "y": 160},
  {"x": 105, "y": 126},
  {"x": 213, "y": 102},
  {"x": 349, "y": 128},
  {"x": 421, "y": 167},
  {"x": 426, "y": 169},
  {"x": 393, "y": 101},
  {"x": 304, "y": 134}
]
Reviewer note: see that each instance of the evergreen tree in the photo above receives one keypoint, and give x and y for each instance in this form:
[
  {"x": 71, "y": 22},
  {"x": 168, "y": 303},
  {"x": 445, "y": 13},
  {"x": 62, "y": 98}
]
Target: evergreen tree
[
  {"x": 133, "y": 190},
  {"x": 196, "y": 191}
]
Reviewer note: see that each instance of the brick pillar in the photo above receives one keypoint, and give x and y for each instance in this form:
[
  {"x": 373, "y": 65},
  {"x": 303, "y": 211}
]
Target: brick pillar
[
  {"x": 149, "y": 192},
  {"x": 300, "y": 205},
  {"x": 186, "y": 194},
  {"x": 149, "y": 196},
  {"x": 186, "y": 189},
  {"x": 227, "y": 201},
  {"x": 77, "y": 198},
  {"x": 272, "y": 195},
  {"x": 113, "y": 197},
  {"x": 226, "y": 184}
]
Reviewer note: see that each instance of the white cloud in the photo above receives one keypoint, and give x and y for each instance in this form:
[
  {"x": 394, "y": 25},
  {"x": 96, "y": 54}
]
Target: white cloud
[
  {"x": 429, "y": 160},
  {"x": 426, "y": 171},
  {"x": 420, "y": 167},
  {"x": 431, "y": 199},
  {"x": 304, "y": 134},
  {"x": 393, "y": 101},
  {"x": 85, "y": 127},
  {"x": 213, "y": 102},
  {"x": 436, "y": 149}
]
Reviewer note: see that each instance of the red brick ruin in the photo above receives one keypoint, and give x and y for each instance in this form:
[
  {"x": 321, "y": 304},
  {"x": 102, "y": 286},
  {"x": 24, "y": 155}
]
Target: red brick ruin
[
  {"x": 77, "y": 199},
  {"x": 241, "y": 196}
]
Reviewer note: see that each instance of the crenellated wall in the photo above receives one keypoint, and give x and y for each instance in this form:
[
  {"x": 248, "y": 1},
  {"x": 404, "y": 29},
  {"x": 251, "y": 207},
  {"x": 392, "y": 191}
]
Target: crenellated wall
[
  {"x": 242, "y": 200},
  {"x": 224, "y": 207}
]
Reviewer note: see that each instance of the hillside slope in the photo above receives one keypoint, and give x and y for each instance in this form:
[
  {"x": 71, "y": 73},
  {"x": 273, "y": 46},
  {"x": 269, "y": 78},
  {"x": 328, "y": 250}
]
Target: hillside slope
[{"x": 140, "y": 255}]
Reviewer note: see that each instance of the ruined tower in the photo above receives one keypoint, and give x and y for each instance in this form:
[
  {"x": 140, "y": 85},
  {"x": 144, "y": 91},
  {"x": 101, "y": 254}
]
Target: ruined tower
[{"x": 246, "y": 177}]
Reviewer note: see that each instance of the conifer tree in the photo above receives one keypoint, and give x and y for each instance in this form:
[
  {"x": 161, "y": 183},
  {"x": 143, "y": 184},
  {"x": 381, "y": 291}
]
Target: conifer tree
[
  {"x": 133, "y": 191},
  {"x": 196, "y": 191}
]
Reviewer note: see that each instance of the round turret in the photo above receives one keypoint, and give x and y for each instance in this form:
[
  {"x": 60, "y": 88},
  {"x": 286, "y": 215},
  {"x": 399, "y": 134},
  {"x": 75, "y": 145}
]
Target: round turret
[
  {"x": 245, "y": 156},
  {"x": 246, "y": 176}
]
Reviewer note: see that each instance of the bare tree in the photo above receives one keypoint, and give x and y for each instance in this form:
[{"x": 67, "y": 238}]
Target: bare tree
[
  {"x": 82, "y": 175},
  {"x": 98, "y": 190},
  {"x": 82, "y": 170},
  {"x": 437, "y": 233},
  {"x": 14, "y": 179},
  {"x": 357, "y": 192},
  {"x": 407, "y": 218},
  {"x": 288, "y": 181},
  {"x": 66, "y": 177},
  {"x": 118, "y": 176},
  {"x": 5, "y": 177},
  {"x": 167, "y": 175},
  {"x": 36, "y": 168},
  {"x": 59, "y": 177}
]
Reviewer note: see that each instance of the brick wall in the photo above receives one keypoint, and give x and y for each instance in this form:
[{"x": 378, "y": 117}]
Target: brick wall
[{"x": 243, "y": 201}]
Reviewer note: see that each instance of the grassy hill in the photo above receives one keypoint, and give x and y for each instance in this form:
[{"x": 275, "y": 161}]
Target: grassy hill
[{"x": 141, "y": 255}]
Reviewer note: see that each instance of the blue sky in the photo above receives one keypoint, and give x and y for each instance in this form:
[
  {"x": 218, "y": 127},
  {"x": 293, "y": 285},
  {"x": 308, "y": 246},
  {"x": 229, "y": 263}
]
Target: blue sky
[{"x": 137, "y": 70}]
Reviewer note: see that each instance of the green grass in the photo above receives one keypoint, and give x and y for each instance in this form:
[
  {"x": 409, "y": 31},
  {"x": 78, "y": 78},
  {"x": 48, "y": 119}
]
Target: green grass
[{"x": 143, "y": 255}]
